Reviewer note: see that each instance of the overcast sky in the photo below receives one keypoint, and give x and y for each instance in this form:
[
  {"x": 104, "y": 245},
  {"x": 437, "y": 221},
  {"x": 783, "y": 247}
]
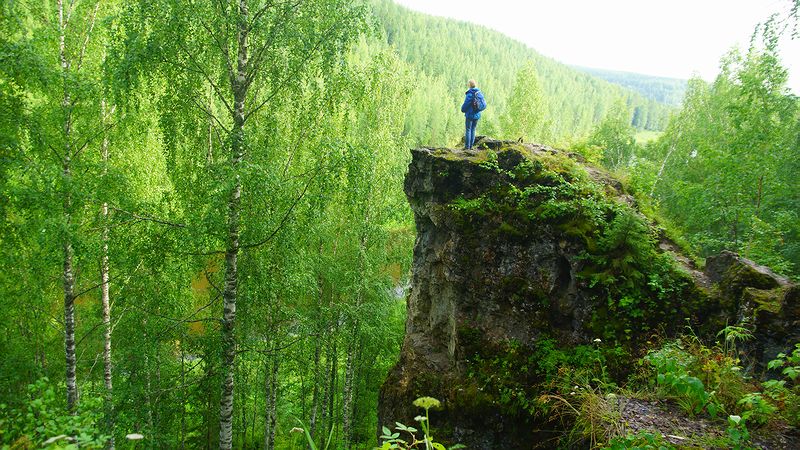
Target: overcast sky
[{"x": 677, "y": 38}]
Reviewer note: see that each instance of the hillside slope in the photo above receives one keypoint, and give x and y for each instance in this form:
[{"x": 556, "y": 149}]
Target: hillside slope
[
  {"x": 670, "y": 91},
  {"x": 446, "y": 52}
]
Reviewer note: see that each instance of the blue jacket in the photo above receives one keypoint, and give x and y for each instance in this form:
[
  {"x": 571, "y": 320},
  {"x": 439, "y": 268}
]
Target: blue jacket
[{"x": 467, "y": 109}]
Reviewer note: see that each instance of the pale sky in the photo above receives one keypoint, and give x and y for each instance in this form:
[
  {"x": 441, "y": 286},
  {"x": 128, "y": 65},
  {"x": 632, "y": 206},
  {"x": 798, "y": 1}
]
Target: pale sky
[{"x": 677, "y": 38}]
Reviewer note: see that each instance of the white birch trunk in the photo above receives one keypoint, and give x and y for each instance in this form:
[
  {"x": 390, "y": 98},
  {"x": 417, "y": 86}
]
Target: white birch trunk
[
  {"x": 347, "y": 394},
  {"x": 271, "y": 385},
  {"x": 105, "y": 298},
  {"x": 69, "y": 273},
  {"x": 239, "y": 85}
]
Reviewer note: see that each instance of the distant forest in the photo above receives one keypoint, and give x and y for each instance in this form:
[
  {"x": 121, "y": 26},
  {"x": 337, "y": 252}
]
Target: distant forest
[{"x": 661, "y": 89}]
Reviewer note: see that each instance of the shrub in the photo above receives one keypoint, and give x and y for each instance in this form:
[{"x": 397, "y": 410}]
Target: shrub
[{"x": 43, "y": 421}]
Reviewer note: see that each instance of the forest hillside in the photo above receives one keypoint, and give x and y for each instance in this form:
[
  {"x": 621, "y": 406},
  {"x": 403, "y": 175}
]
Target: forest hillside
[
  {"x": 445, "y": 52},
  {"x": 661, "y": 89},
  {"x": 206, "y": 242}
]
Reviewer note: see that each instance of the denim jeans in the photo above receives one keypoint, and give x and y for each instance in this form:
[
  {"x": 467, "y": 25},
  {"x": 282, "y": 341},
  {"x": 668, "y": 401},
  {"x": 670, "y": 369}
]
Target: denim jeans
[{"x": 469, "y": 138}]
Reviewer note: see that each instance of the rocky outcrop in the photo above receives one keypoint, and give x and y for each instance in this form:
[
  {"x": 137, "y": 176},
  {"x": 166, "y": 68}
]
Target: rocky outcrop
[
  {"x": 753, "y": 296},
  {"x": 524, "y": 258}
]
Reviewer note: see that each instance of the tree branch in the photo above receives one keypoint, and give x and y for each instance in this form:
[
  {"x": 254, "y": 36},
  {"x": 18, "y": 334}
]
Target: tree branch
[
  {"x": 88, "y": 34},
  {"x": 199, "y": 70},
  {"x": 147, "y": 218},
  {"x": 288, "y": 76},
  {"x": 91, "y": 139},
  {"x": 210, "y": 114},
  {"x": 286, "y": 215},
  {"x": 222, "y": 46}
]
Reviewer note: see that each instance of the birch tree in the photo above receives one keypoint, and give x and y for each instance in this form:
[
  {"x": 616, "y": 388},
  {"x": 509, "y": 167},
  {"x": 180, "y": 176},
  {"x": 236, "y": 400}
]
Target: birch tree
[{"x": 251, "y": 54}]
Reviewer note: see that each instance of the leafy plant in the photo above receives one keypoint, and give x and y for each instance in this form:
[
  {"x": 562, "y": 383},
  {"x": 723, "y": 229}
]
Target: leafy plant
[
  {"x": 731, "y": 335},
  {"x": 639, "y": 441},
  {"x": 786, "y": 391},
  {"x": 672, "y": 376},
  {"x": 737, "y": 432},
  {"x": 757, "y": 409},
  {"x": 405, "y": 437},
  {"x": 43, "y": 421}
]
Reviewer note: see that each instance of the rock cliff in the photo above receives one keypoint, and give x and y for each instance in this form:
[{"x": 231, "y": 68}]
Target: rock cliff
[{"x": 524, "y": 258}]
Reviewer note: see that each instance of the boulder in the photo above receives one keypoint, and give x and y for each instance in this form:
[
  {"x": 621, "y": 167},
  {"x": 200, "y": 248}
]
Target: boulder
[{"x": 527, "y": 258}]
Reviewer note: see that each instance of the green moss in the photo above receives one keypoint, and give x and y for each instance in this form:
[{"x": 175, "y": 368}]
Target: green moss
[
  {"x": 739, "y": 276},
  {"x": 507, "y": 229},
  {"x": 635, "y": 287},
  {"x": 764, "y": 300},
  {"x": 514, "y": 376}
]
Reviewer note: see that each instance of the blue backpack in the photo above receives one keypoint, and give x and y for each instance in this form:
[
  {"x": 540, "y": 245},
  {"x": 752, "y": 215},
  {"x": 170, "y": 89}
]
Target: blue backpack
[{"x": 478, "y": 104}]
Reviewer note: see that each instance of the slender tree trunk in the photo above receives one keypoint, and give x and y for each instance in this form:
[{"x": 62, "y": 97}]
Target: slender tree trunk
[
  {"x": 672, "y": 147},
  {"x": 148, "y": 390},
  {"x": 105, "y": 298},
  {"x": 69, "y": 273},
  {"x": 271, "y": 385},
  {"x": 329, "y": 397},
  {"x": 239, "y": 84},
  {"x": 353, "y": 345},
  {"x": 327, "y": 394},
  {"x": 315, "y": 398},
  {"x": 347, "y": 394},
  {"x": 245, "y": 378},
  {"x": 149, "y": 399},
  {"x": 183, "y": 397},
  {"x": 210, "y": 151}
]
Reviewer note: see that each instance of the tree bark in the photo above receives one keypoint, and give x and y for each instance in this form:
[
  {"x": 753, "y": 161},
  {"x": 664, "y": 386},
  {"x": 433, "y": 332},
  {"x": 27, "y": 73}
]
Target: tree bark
[
  {"x": 353, "y": 346},
  {"x": 271, "y": 385},
  {"x": 239, "y": 85},
  {"x": 69, "y": 254},
  {"x": 329, "y": 397},
  {"x": 315, "y": 399},
  {"x": 347, "y": 394},
  {"x": 149, "y": 398},
  {"x": 105, "y": 299}
]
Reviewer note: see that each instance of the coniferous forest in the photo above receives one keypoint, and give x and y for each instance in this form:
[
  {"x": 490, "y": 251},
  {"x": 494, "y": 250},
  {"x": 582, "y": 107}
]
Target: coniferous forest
[{"x": 205, "y": 239}]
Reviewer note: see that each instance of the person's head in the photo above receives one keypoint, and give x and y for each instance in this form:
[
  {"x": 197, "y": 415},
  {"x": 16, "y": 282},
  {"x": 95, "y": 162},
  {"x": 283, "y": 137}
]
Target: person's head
[{"x": 471, "y": 84}]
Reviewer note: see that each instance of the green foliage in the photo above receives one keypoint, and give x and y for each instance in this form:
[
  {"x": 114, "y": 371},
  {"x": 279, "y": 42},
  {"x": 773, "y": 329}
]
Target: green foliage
[
  {"x": 639, "y": 441},
  {"x": 516, "y": 376},
  {"x": 42, "y": 421},
  {"x": 525, "y": 116},
  {"x": 685, "y": 370},
  {"x": 724, "y": 170},
  {"x": 326, "y": 233},
  {"x": 405, "y": 437},
  {"x": 672, "y": 374},
  {"x": 756, "y": 408},
  {"x": 786, "y": 391},
  {"x": 615, "y": 135},
  {"x": 737, "y": 431}
]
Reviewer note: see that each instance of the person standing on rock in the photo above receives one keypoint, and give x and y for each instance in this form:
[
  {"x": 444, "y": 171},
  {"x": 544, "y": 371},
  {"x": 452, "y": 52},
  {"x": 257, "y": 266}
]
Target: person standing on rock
[{"x": 474, "y": 103}]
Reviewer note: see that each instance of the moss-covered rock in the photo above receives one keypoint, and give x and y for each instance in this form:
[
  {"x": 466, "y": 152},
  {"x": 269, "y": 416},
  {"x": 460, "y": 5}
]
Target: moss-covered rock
[
  {"x": 524, "y": 256},
  {"x": 753, "y": 296}
]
